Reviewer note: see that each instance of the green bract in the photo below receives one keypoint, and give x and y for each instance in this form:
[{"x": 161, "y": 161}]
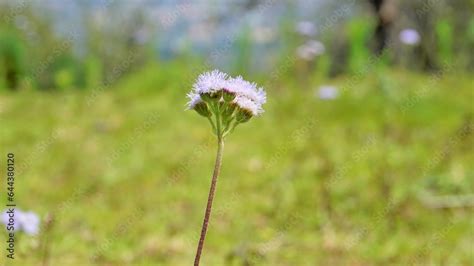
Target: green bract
[
  {"x": 224, "y": 115},
  {"x": 225, "y": 101}
]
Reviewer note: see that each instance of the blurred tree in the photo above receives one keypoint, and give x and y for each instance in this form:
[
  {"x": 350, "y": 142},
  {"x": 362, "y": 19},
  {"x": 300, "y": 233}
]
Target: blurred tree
[
  {"x": 444, "y": 27},
  {"x": 243, "y": 51},
  {"x": 359, "y": 32},
  {"x": 386, "y": 12},
  {"x": 469, "y": 46},
  {"x": 94, "y": 70},
  {"x": 115, "y": 43},
  {"x": 12, "y": 54},
  {"x": 64, "y": 79},
  {"x": 30, "y": 34},
  {"x": 444, "y": 38},
  {"x": 68, "y": 72}
]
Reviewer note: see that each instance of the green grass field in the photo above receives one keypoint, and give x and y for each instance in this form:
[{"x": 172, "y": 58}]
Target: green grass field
[{"x": 125, "y": 172}]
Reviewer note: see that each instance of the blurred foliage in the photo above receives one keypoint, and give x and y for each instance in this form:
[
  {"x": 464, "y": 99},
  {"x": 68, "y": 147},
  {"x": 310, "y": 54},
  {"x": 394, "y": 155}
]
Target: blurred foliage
[
  {"x": 380, "y": 145},
  {"x": 12, "y": 60},
  {"x": 359, "y": 32},
  {"x": 445, "y": 38},
  {"x": 243, "y": 52},
  {"x": 110, "y": 44}
]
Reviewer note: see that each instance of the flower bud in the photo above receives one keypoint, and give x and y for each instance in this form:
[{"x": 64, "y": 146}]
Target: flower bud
[
  {"x": 228, "y": 95},
  {"x": 243, "y": 115},
  {"x": 207, "y": 97},
  {"x": 202, "y": 109},
  {"x": 229, "y": 110},
  {"x": 222, "y": 106},
  {"x": 211, "y": 96}
]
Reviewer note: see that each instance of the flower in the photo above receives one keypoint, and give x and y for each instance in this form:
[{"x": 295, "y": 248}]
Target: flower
[
  {"x": 22, "y": 221},
  {"x": 248, "y": 105},
  {"x": 248, "y": 96},
  {"x": 306, "y": 28},
  {"x": 210, "y": 82},
  {"x": 6, "y": 219},
  {"x": 264, "y": 34},
  {"x": 310, "y": 49},
  {"x": 316, "y": 47},
  {"x": 194, "y": 99},
  {"x": 409, "y": 36},
  {"x": 29, "y": 222},
  {"x": 327, "y": 92},
  {"x": 231, "y": 100},
  {"x": 226, "y": 102}
]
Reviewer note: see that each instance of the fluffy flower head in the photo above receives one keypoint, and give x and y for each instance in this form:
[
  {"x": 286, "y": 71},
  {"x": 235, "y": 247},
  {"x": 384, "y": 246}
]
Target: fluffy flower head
[
  {"x": 27, "y": 222},
  {"x": 210, "y": 82},
  {"x": 30, "y": 223},
  {"x": 248, "y": 105},
  {"x": 327, "y": 92},
  {"x": 246, "y": 89},
  {"x": 194, "y": 99},
  {"x": 247, "y": 95},
  {"x": 409, "y": 36},
  {"x": 225, "y": 101},
  {"x": 306, "y": 28}
]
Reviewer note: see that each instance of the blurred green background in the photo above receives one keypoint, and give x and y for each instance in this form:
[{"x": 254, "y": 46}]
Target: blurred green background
[{"x": 363, "y": 156}]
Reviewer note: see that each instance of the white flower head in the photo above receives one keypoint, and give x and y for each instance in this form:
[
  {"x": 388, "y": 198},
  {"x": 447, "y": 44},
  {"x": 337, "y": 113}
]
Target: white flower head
[
  {"x": 316, "y": 47},
  {"x": 230, "y": 100},
  {"x": 22, "y": 221},
  {"x": 8, "y": 219},
  {"x": 327, "y": 92},
  {"x": 210, "y": 82},
  {"x": 249, "y": 97},
  {"x": 249, "y": 105},
  {"x": 306, "y": 28},
  {"x": 246, "y": 89},
  {"x": 194, "y": 98},
  {"x": 409, "y": 36},
  {"x": 29, "y": 222},
  {"x": 310, "y": 50}
]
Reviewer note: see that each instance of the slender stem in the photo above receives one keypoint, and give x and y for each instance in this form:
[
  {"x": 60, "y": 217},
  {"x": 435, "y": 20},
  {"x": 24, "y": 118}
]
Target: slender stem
[
  {"x": 46, "y": 234},
  {"x": 229, "y": 130},
  {"x": 217, "y": 167},
  {"x": 229, "y": 122},
  {"x": 218, "y": 120},
  {"x": 212, "y": 124}
]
